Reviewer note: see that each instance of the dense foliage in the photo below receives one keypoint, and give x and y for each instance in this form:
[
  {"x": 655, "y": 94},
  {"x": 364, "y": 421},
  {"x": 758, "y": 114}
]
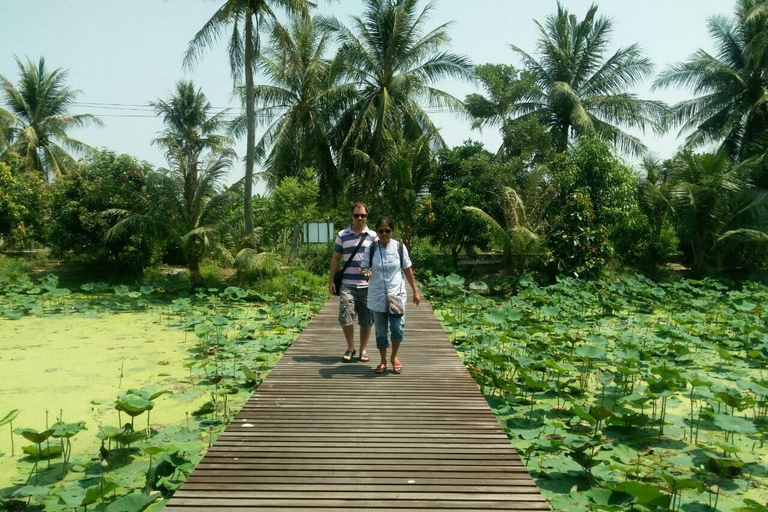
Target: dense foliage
[
  {"x": 624, "y": 394},
  {"x": 104, "y": 181},
  {"x": 346, "y": 110}
]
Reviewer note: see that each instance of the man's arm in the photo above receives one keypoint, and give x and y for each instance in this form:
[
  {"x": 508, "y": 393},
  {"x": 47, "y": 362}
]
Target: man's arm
[{"x": 334, "y": 267}]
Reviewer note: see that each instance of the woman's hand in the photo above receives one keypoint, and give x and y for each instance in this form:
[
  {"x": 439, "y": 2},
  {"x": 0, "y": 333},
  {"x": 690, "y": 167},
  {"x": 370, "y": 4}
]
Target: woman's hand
[{"x": 416, "y": 298}]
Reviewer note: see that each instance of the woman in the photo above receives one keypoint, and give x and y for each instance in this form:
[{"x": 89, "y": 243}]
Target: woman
[{"x": 385, "y": 263}]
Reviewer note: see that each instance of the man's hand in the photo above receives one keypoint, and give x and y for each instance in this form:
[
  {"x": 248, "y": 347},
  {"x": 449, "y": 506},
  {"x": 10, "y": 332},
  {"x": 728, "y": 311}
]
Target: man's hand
[
  {"x": 416, "y": 298},
  {"x": 332, "y": 288}
]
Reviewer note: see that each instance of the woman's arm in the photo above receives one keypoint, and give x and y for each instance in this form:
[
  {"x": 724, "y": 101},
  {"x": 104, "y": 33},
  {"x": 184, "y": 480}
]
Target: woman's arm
[
  {"x": 364, "y": 263},
  {"x": 412, "y": 281}
]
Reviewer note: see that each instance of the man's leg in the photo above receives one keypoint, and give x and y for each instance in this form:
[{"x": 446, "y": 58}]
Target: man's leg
[
  {"x": 347, "y": 316},
  {"x": 365, "y": 317},
  {"x": 349, "y": 334},
  {"x": 365, "y": 334}
]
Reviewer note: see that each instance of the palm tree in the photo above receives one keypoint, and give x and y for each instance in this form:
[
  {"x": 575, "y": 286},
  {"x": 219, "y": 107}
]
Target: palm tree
[
  {"x": 246, "y": 17},
  {"x": 191, "y": 209},
  {"x": 38, "y": 117},
  {"x": 506, "y": 87},
  {"x": 409, "y": 167},
  {"x": 582, "y": 92},
  {"x": 393, "y": 63},
  {"x": 524, "y": 218},
  {"x": 654, "y": 193},
  {"x": 6, "y": 132},
  {"x": 732, "y": 87},
  {"x": 716, "y": 210},
  {"x": 295, "y": 104}
]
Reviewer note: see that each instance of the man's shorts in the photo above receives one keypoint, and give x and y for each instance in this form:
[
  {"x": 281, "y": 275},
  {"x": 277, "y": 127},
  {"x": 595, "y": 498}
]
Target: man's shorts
[{"x": 353, "y": 303}]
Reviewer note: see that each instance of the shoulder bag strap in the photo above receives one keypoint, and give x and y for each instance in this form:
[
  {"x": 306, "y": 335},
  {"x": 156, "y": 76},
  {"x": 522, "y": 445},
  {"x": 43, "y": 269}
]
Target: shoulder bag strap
[
  {"x": 346, "y": 264},
  {"x": 370, "y": 256}
]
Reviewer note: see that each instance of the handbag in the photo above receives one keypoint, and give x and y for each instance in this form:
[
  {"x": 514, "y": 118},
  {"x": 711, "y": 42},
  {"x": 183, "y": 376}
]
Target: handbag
[
  {"x": 339, "y": 275},
  {"x": 395, "y": 304}
]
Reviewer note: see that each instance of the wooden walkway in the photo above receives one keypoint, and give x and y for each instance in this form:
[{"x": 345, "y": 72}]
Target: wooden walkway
[{"x": 319, "y": 434}]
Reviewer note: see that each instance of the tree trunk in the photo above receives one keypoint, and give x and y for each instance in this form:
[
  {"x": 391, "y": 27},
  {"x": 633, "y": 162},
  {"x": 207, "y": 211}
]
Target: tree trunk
[
  {"x": 250, "y": 54},
  {"x": 194, "y": 272},
  {"x": 295, "y": 240}
]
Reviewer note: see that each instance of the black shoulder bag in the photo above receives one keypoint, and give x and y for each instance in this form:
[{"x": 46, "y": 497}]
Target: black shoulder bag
[{"x": 339, "y": 275}]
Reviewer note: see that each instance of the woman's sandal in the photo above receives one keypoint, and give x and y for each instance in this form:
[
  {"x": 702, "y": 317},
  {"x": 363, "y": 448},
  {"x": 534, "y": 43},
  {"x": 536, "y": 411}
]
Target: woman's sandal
[
  {"x": 348, "y": 355},
  {"x": 364, "y": 357},
  {"x": 397, "y": 367},
  {"x": 381, "y": 368}
]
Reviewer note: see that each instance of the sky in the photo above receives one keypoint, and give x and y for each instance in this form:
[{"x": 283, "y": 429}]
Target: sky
[{"x": 122, "y": 55}]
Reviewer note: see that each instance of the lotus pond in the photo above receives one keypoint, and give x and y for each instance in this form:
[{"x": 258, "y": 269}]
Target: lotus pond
[
  {"x": 111, "y": 395},
  {"x": 624, "y": 394}
]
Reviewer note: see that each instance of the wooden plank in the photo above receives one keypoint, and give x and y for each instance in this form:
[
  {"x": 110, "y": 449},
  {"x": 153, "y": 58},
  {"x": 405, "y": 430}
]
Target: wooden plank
[{"x": 322, "y": 435}]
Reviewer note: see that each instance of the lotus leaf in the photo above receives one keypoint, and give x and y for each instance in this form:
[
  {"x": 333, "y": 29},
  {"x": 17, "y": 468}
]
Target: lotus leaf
[
  {"x": 111, "y": 432},
  {"x": 550, "y": 311},
  {"x": 121, "y": 290},
  {"x": 751, "y": 506},
  {"x": 573, "y": 502},
  {"x": 454, "y": 280},
  {"x": 248, "y": 373},
  {"x": 744, "y": 305},
  {"x": 133, "y": 405},
  {"x": 495, "y": 316},
  {"x": 206, "y": 408},
  {"x": 67, "y": 430},
  {"x": 49, "y": 452},
  {"x": 32, "y": 491},
  {"x": 131, "y": 502},
  {"x": 9, "y": 417},
  {"x": 590, "y": 352},
  {"x": 734, "y": 424},
  {"x": 645, "y": 494},
  {"x": 33, "y": 435},
  {"x": 13, "y": 314}
]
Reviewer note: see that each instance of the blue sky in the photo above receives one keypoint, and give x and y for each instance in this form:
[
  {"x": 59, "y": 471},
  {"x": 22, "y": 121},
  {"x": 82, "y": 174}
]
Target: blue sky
[{"x": 129, "y": 53}]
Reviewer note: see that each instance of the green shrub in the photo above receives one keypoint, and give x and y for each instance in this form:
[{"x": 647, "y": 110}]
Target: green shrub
[
  {"x": 428, "y": 262},
  {"x": 213, "y": 274},
  {"x": 105, "y": 181},
  {"x": 579, "y": 245},
  {"x": 636, "y": 244},
  {"x": 13, "y": 268},
  {"x": 294, "y": 285},
  {"x": 317, "y": 260}
]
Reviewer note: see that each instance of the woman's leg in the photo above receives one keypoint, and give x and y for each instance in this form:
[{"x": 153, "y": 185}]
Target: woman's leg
[
  {"x": 382, "y": 342},
  {"x": 397, "y": 327}
]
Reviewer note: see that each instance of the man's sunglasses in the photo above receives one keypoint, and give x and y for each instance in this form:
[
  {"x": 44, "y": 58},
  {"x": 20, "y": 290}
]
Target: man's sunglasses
[
  {"x": 383, "y": 231},
  {"x": 359, "y": 215}
]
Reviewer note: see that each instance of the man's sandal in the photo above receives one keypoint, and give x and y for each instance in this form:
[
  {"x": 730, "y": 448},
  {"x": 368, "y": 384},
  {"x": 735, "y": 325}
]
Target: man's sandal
[
  {"x": 397, "y": 367},
  {"x": 381, "y": 368},
  {"x": 364, "y": 357},
  {"x": 348, "y": 355}
]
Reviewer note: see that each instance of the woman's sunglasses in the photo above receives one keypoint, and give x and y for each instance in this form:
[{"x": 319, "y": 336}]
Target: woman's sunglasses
[
  {"x": 359, "y": 215},
  {"x": 383, "y": 231}
]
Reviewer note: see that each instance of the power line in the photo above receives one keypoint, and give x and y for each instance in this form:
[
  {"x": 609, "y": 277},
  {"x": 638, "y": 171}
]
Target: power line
[{"x": 147, "y": 111}]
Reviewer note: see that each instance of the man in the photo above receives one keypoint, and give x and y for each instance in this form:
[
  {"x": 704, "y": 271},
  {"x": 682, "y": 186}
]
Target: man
[{"x": 353, "y": 296}]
